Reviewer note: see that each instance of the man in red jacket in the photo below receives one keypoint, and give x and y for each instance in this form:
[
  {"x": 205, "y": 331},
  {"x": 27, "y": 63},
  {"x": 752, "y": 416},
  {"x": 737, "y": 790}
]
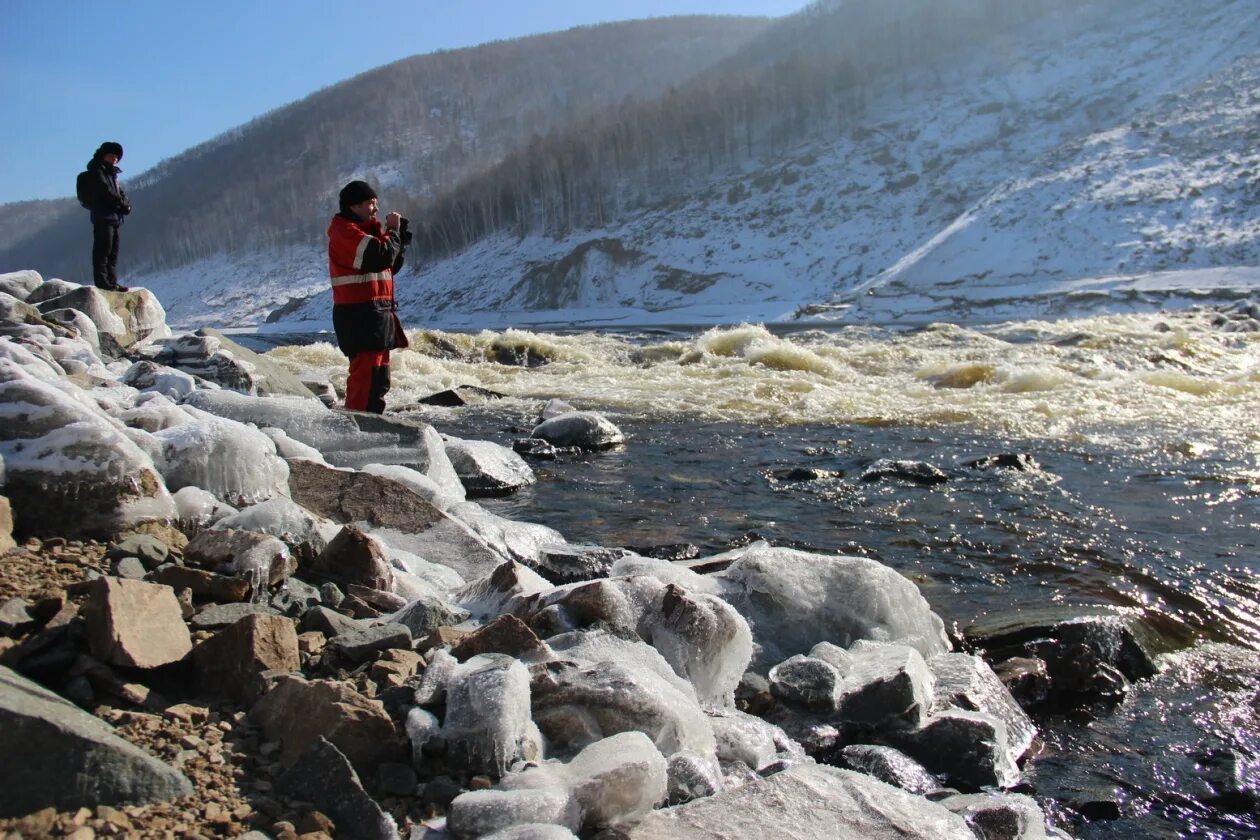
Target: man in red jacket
[{"x": 363, "y": 256}]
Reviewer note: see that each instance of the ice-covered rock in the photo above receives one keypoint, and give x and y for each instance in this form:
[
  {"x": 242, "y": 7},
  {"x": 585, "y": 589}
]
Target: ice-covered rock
[
  {"x": 575, "y": 705},
  {"x": 395, "y": 514},
  {"x": 260, "y": 558},
  {"x": 426, "y": 613},
  {"x": 62, "y": 453},
  {"x": 153, "y": 413},
  {"x": 579, "y": 605},
  {"x": 967, "y": 682},
  {"x": 280, "y": 517},
  {"x": 129, "y": 318},
  {"x": 150, "y": 376},
  {"x": 490, "y": 595},
  {"x": 419, "y": 483},
  {"x": 794, "y": 599},
  {"x": 806, "y": 682},
  {"x": 486, "y": 468},
  {"x": 53, "y": 287},
  {"x": 595, "y": 645},
  {"x": 570, "y": 563},
  {"x": 236, "y": 462},
  {"x": 806, "y": 802},
  {"x": 554, "y": 408},
  {"x": 747, "y": 739},
  {"x": 1000, "y": 816},
  {"x": 583, "y": 429},
  {"x": 437, "y": 577},
  {"x": 611, "y": 781},
  {"x": 691, "y": 776},
  {"x": 199, "y": 508},
  {"x": 968, "y": 748},
  {"x": 20, "y": 283},
  {"x": 78, "y": 321},
  {"x": 886, "y": 686},
  {"x": 703, "y": 638},
  {"x": 211, "y": 356},
  {"x": 487, "y": 725},
  {"x": 891, "y": 766},
  {"x": 532, "y": 831},
  {"x": 287, "y": 447},
  {"x": 424, "y": 732},
  {"x": 437, "y": 676},
  {"x": 636, "y": 565},
  {"x": 479, "y": 813},
  {"x": 522, "y": 541}
]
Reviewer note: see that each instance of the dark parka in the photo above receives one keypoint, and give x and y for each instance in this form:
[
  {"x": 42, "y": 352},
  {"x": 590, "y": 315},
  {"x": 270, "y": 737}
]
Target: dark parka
[
  {"x": 107, "y": 201},
  {"x": 362, "y": 258}
]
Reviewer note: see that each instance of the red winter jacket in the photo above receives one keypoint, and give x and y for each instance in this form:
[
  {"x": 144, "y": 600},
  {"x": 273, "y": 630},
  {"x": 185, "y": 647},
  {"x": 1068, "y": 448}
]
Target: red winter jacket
[{"x": 362, "y": 259}]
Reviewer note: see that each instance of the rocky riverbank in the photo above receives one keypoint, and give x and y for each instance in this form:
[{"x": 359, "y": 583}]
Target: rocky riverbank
[{"x": 232, "y": 609}]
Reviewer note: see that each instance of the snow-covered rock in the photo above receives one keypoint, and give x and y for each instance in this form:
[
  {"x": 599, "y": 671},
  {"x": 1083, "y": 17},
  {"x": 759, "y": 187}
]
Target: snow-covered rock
[
  {"x": 487, "y": 725},
  {"x": 486, "y": 468},
  {"x": 236, "y": 462},
  {"x": 583, "y": 429}
]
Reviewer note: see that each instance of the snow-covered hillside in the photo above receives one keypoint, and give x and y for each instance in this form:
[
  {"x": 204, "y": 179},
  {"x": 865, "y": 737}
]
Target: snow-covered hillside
[{"x": 1117, "y": 167}]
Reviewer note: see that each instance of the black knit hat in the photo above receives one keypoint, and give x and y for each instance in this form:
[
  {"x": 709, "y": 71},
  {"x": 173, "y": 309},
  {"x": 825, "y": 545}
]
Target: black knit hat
[
  {"x": 354, "y": 193},
  {"x": 110, "y": 148}
]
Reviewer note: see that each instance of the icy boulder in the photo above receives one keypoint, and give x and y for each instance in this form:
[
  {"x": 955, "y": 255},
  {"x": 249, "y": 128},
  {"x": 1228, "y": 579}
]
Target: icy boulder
[
  {"x": 150, "y": 376},
  {"x": 62, "y": 454},
  {"x": 153, "y": 413},
  {"x": 794, "y": 599},
  {"x": 212, "y": 356},
  {"x": 489, "y": 596},
  {"x": 20, "y": 283},
  {"x": 487, "y": 469},
  {"x": 749, "y": 740},
  {"x": 612, "y": 781},
  {"x": 806, "y": 802},
  {"x": 583, "y": 429},
  {"x": 79, "y": 322},
  {"x": 199, "y": 508},
  {"x": 481, "y": 813},
  {"x": 575, "y": 705},
  {"x": 969, "y": 748},
  {"x": 703, "y": 638},
  {"x": 885, "y": 686},
  {"x": 487, "y": 725},
  {"x": 281, "y": 517},
  {"x": 596, "y": 645},
  {"x": 287, "y": 447},
  {"x": 522, "y": 541},
  {"x": 129, "y": 318},
  {"x": 806, "y": 682},
  {"x": 967, "y": 682},
  {"x": 419, "y": 483},
  {"x": 236, "y": 462}
]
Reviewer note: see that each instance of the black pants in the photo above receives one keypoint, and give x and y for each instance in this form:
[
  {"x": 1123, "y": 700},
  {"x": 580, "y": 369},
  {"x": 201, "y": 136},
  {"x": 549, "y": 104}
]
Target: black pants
[{"x": 105, "y": 255}]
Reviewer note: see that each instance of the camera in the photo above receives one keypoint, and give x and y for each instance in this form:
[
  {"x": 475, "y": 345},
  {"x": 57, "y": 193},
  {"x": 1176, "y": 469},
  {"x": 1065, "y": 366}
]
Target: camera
[{"x": 403, "y": 233}]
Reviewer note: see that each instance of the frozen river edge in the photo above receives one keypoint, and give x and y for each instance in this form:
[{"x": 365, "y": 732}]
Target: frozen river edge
[{"x": 420, "y": 665}]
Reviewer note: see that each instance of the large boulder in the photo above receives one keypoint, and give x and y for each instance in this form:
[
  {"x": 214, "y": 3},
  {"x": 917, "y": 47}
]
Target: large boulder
[
  {"x": 210, "y": 355},
  {"x": 397, "y": 516},
  {"x": 295, "y": 712},
  {"x": 967, "y": 682},
  {"x": 487, "y": 724},
  {"x": 20, "y": 284},
  {"x": 135, "y": 624},
  {"x": 488, "y": 469},
  {"x": 794, "y": 600},
  {"x": 58, "y": 756},
  {"x": 129, "y": 318},
  {"x": 583, "y": 429},
  {"x": 229, "y": 661},
  {"x": 69, "y": 469},
  {"x": 806, "y": 802},
  {"x": 235, "y": 462}
]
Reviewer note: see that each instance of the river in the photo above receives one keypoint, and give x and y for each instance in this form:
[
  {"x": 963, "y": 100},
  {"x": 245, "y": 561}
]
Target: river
[{"x": 1138, "y": 442}]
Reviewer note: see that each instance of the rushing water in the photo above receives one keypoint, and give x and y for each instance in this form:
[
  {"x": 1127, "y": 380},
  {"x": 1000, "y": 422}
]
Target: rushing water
[{"x": 1141, "y": 493}]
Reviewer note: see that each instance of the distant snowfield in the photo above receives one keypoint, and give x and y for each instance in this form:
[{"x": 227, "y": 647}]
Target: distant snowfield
[{"x": 1108, "y": 163}]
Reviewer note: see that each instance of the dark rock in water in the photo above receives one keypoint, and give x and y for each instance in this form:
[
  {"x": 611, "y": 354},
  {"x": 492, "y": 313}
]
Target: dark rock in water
[
  {"x": 1006, "y": 461},
  {"x": 967, "y": 682},
  {"x": 917, "y": 472},
  {"x": 324, "y": 777},
  {"x": 968, "y": 748},
  {"x": 561, "y": 564},
  {"x": 891, "y": 766},
  {"x": 1026, "y": 678},
  {"x": 461, "y": 396},
  {"x": 525, "y": 357},
  {"x": 673, "y": 552},
  {"x": 805, "y": 474},
  {"x": 999, "y": 816},
  {"x": 487, "y": 469},
  {"x": 539, "y": 449},
  {"x": 1087, "y": 658},
  {"x": 586, "y": 430},
  {"x": 61, "y": 757}
]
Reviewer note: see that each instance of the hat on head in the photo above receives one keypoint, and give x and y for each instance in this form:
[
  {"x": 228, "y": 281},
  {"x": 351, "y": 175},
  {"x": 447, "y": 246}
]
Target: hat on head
[
  {"x": 354, "y": 193},
  {"x": 110, "y": 148}
]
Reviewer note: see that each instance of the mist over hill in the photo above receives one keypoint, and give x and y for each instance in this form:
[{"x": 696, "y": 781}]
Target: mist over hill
[{"x": 908, "y": 160}]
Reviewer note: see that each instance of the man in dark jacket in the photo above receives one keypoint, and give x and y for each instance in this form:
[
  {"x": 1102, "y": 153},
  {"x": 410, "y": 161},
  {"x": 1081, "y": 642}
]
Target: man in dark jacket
[
  {"x": 363, "y": 256},
  {"x": 99, "y": 192}
]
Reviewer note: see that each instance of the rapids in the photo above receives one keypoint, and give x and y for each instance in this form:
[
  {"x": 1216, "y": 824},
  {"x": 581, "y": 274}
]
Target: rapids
[{"x": 1140, "y": 492}]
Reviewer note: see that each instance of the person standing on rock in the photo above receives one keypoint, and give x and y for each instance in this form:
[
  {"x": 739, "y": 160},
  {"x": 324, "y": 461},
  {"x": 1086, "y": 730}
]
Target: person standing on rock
[
  {"x": 363, "y": 256},
  {"x": 98, "y": 191}
]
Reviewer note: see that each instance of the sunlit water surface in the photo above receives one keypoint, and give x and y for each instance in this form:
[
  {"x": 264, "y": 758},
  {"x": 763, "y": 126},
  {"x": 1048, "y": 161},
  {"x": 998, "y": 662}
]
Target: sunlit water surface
[{"x": 1142, "y": 494}]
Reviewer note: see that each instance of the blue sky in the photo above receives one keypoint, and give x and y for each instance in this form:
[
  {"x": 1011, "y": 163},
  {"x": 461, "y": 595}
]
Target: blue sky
[{"x": 162, "y": 76}]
